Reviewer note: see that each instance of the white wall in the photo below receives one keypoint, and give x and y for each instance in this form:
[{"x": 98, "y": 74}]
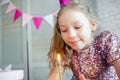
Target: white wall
[
  {"x": 12, "y": 34},
  {"x": 11, "y": 39},
  {"x": 0, "y": 36},
  {"x": 109, "y": 15},
  {"x": 92, "y": 6}
]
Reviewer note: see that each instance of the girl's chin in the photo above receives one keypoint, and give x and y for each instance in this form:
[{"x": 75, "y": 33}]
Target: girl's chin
[{"x": 78, "y": 48}]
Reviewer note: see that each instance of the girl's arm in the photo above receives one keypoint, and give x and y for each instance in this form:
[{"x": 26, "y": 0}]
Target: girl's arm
[
  {"x": 117, "y": 67},
  {"x": 54, "y": 73}
]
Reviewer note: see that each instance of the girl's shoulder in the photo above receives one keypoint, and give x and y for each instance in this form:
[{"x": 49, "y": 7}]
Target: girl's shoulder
[
  {"x": 110, "y": 46},
  {"x": 107, "y": 35},
  {"x": 102, "y": 35}
]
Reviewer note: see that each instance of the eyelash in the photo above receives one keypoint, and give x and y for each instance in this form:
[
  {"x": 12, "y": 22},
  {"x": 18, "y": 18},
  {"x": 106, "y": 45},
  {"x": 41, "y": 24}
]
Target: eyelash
[
  {"x": 74, "y": 28},
  {"x": 63, "y": 30},
  {"x": 77, "y": 27}
]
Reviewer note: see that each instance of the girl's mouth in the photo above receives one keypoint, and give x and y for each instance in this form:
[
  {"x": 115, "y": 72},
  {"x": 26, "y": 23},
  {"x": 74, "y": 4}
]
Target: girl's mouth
[{"x": 75, "y": 42}]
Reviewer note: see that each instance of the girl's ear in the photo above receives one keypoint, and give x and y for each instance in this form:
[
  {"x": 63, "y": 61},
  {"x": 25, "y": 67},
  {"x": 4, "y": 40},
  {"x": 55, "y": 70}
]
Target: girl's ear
[{"x": 94, "y": 25}]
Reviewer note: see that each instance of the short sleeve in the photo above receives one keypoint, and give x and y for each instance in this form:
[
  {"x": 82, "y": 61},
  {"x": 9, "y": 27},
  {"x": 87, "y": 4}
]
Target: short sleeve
[{"x": 111, "y": 47}]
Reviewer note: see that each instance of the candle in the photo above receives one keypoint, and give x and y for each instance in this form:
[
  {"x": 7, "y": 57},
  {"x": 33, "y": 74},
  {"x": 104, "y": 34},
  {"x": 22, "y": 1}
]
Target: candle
[{"x": 59, "y": 67}]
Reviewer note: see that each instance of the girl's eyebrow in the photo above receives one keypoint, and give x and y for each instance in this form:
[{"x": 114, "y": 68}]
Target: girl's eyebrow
[
  {"x": 75, "y": 22},
  {"x": 62, "y": 25}
]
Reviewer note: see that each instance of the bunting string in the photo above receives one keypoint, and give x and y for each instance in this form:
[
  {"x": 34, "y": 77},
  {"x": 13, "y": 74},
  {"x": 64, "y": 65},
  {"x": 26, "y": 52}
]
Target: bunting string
[{"x": 50, "y": 19}]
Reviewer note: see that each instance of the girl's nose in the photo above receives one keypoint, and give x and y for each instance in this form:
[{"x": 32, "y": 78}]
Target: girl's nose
[{"x": 72, "y": 34}]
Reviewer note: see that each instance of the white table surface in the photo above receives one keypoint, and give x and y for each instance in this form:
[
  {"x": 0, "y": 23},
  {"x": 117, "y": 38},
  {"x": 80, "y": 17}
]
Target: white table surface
[{"x": 12, "y": 75}]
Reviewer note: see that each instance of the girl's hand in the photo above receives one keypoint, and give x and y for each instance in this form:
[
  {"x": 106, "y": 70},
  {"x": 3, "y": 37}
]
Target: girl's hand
[
  {"x": 117, "y": 67},
  {"x": 54, "y": 74}
]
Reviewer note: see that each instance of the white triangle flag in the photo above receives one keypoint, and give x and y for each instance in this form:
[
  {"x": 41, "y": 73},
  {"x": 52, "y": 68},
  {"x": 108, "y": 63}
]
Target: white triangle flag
[
  {"x": 50, "y": 19},
  {"x": 4, "y": 2},
  {"x": 26, "y": 18},
  {"x": 56, "y": 12}
]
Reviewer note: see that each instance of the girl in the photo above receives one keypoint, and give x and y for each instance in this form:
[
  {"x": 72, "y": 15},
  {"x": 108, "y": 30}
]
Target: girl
[{"x": 89, "y": 57}]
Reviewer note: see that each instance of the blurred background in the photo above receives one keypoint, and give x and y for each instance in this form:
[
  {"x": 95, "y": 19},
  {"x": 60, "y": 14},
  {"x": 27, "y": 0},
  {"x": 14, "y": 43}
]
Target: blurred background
[{"x": 26, "y": 48}]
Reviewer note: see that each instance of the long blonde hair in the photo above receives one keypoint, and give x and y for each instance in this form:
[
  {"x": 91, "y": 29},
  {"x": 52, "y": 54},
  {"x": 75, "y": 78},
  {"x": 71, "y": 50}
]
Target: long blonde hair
[{"x": 57, "y": 42}]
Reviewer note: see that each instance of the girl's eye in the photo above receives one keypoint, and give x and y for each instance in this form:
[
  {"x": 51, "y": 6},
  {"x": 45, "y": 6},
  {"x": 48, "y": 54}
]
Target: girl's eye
[
  {"x": 63, "y": 30},
  {"x": 77, "y": 27}
]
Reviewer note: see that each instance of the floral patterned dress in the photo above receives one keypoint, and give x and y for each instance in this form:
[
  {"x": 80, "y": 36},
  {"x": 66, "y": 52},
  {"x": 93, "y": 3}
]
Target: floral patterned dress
[{"x": 96, "y": 62}]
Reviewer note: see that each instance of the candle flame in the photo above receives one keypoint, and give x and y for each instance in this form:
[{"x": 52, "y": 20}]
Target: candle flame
[{"x": 58, "y": 56}]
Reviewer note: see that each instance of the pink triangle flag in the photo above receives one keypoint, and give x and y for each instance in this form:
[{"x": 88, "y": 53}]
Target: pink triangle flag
[
  {"x": 63, "y": 2},
  {"x": 17, "y": 14},
  {"x": 37, "y": 21},
  {"x": 10, "y": 8},
  {"x": 25, "y": 19}
]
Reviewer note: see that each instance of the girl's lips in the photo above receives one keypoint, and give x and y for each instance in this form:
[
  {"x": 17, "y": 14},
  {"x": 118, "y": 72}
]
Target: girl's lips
[{"x": 74, "y": 42}]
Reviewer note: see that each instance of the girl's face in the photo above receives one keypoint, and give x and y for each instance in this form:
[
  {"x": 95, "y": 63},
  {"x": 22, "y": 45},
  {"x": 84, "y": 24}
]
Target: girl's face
[{"x": 76, "y": 29}]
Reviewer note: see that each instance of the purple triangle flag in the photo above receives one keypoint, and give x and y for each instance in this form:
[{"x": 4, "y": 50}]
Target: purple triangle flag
[
  {"x": 63, "y": 2},
  {"x": 37, "y": 21},
  {"x": 17, "y": 14}
]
